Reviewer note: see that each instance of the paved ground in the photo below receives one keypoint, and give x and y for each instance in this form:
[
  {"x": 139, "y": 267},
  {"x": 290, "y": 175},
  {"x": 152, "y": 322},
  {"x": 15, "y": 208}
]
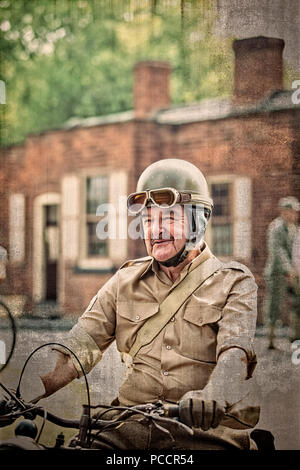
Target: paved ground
[{"x": 277, "y": 381}]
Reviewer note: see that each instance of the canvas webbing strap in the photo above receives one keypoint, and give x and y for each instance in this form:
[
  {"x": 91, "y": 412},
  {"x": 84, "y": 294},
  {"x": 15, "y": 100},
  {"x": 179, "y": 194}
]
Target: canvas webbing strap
[{"x": 172, "y": 303}]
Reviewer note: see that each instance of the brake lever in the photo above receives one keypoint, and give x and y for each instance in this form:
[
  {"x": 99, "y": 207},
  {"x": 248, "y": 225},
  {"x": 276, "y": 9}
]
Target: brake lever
[{"x": 13, "y": 396}]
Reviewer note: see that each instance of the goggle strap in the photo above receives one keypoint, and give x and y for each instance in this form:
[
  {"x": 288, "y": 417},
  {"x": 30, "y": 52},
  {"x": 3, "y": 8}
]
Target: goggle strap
[{"x": 185, "y": 197}]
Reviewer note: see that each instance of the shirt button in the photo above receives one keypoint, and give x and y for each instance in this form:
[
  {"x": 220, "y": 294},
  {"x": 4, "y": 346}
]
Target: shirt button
[
  {"x": 137, "y": 317},
  {"x": 172, "y": 319},
  {"x": 169, "y": 347},
  {"x": 166, "y": 372}
]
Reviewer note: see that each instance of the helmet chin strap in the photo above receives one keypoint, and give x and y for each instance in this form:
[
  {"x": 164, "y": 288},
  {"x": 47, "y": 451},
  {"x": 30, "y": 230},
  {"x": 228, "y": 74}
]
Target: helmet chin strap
[
  {"x": 176, "y": 259},
  {"x": 179, "y": 257}
]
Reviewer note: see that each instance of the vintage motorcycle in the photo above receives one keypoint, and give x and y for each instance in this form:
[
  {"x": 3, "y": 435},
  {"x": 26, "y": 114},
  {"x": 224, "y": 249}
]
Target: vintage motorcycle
[{"x": 27, "y": 435}]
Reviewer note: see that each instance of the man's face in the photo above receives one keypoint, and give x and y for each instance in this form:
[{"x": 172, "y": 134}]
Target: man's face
[
  {"x": 164, "y": 231},
  {"x": 290, "y": 216}
]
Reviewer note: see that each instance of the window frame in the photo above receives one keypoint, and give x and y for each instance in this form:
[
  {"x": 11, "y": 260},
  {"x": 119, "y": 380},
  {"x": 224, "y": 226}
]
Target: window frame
[
  {"x": 17, "y": 228},
  {"x": 225, "y": 220},
  {"x": 85, "y": 260},
  {"x": 232, "y": 180}
]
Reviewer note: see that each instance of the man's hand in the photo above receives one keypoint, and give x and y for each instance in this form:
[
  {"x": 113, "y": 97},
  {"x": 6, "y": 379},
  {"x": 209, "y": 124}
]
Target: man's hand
[
  {"x": 199, "y": 410},
  {"x": 206, "y": 408}
]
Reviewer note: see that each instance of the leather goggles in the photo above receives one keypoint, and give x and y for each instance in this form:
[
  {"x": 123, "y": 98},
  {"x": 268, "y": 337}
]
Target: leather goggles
[{"x": 164, "y": 198}]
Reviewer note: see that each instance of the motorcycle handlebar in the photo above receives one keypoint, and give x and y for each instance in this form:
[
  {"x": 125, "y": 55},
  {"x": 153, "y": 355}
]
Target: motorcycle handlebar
[
  {"x": 65, "y": 423},
  {"x": 169, "y": 411}
]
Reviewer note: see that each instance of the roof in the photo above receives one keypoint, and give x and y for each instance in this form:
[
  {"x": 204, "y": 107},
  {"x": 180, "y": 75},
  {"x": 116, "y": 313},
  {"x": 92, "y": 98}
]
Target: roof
[
  {"x": 213, "y": 109},
  {"x": 205, "y": 110},
  {"x": 98, "y": 120}
]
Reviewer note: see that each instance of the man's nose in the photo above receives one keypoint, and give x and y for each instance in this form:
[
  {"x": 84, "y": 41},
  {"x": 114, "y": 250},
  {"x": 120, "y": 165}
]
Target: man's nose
[{"x": 156, "y": 228}]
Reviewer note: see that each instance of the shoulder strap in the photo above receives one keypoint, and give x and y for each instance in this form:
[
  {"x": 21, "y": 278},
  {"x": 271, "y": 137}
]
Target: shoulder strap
[{"x": 171, "y": 304}]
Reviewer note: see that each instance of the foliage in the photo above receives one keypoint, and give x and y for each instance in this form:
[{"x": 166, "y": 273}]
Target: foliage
[{"x": 66, "y": 58}]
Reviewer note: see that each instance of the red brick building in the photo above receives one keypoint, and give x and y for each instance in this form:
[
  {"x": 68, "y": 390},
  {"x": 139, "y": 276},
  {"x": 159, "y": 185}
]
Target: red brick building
[{"x": 247, "y": 147}]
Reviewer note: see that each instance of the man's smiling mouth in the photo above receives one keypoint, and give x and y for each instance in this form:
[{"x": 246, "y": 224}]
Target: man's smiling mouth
[{"x": 159, "y": 242}]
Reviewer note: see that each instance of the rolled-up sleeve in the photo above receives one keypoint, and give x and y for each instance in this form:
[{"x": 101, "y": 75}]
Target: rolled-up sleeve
[
  {"x": 95, "y": 329},
  {"x": 238, "y": 323}
]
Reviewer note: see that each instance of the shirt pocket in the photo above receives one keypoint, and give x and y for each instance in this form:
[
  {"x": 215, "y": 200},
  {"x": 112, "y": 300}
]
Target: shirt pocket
[
  {"x": 199, "y": 332},
  {"x": 130, "y": 318}
]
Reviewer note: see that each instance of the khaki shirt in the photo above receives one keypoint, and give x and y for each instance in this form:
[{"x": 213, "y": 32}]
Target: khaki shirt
[{"x": 219, "y": 315}]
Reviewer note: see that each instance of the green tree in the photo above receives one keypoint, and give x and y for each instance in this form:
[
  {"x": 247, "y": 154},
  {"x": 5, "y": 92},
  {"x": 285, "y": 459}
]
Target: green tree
[{"x": 61, "y": 59}]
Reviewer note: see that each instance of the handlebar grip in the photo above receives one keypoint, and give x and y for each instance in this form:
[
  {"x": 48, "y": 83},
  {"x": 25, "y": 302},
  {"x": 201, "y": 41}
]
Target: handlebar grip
[{"x": 172, "y": 411}]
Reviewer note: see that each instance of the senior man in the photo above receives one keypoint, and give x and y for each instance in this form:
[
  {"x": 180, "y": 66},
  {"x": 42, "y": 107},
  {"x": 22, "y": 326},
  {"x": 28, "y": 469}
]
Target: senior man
[{"x": 183, "y": 322}]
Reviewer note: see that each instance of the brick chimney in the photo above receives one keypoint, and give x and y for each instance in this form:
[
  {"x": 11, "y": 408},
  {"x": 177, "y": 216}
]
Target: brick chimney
[
  {"x": 258, "y": 68},
  {"x": 151, "y": 87}
]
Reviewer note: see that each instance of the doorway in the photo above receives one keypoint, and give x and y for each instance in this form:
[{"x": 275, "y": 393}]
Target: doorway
[
  {"x": 46, "y": 248},
  {"x": 51, "y": 241}
]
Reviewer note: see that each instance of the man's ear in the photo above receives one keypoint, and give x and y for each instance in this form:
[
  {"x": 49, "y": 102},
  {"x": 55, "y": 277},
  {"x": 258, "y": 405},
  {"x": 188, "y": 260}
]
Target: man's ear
[{"x": 207, "y": 213}]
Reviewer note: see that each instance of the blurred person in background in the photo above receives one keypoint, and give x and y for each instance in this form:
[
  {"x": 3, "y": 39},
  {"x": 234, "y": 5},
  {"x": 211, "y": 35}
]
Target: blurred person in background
[
  {"x": 296, "y": 263},
  {"x": 282, "y": 278}
]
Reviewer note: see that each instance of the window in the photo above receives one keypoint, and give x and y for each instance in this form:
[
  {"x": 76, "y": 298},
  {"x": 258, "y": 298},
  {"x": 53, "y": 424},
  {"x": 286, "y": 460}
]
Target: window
[
  {"x": 229, "y": 231},
  {"x": 97, "y": 192},
  {"x": 82, "y": 196},
  {"x": 222, "y": 244}
]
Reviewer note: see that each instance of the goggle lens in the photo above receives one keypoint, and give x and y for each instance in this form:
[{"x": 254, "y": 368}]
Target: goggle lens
[
  {"x": 163, "y": 197},
  {"x": 138, "y": 198}
]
